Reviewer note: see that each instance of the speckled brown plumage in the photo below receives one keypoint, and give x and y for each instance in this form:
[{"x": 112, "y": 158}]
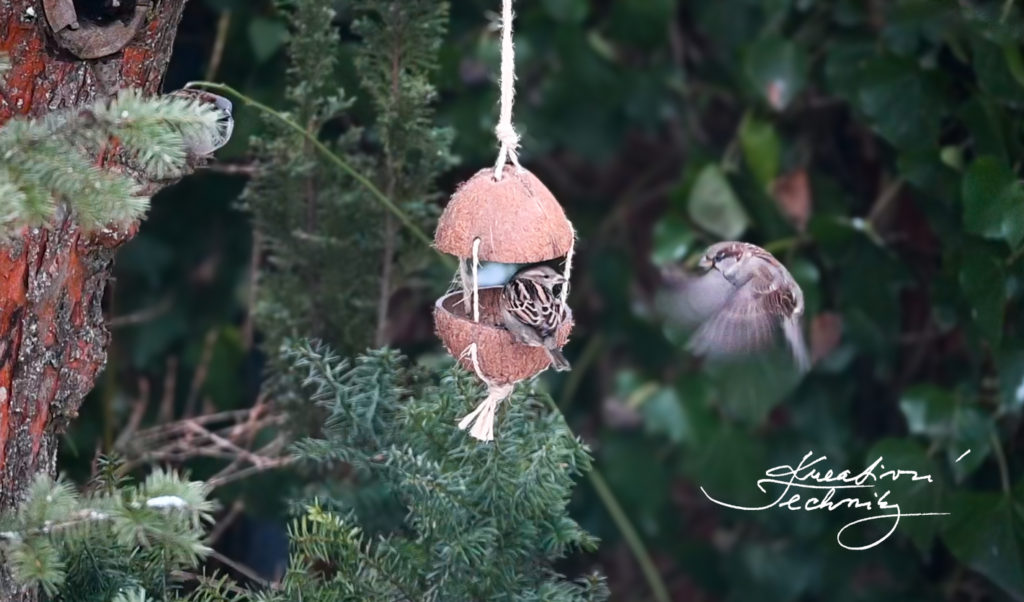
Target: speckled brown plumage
[{"x": 738, "y": 304}]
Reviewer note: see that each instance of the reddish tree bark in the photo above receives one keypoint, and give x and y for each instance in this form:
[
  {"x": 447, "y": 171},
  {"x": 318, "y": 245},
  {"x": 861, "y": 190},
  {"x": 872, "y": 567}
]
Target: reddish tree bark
[{"x": 52, "y": 337}]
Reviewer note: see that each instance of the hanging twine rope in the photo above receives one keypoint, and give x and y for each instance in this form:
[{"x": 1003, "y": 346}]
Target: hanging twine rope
[
  {"x": 482, "y": 418},
  {"x": 507, "y": 136}
]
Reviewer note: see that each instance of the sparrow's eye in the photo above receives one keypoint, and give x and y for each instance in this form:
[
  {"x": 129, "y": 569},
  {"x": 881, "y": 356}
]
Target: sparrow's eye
[{"x": 721, "y": 256}]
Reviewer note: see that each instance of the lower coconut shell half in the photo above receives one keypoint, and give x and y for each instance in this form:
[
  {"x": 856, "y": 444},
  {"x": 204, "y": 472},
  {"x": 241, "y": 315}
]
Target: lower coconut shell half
[{"x": 502, "y": 360}]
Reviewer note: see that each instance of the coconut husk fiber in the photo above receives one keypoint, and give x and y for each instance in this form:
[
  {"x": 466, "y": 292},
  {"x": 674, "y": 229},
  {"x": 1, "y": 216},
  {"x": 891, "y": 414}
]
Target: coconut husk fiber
[
  {"x": 502, "y": 360},
  {"x": 517, "y": 219}
]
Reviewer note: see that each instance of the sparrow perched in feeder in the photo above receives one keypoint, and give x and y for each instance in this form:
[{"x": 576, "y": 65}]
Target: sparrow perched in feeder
[
  {"x": 532, "y": 311},
  {"x": 738, "y": 303}
]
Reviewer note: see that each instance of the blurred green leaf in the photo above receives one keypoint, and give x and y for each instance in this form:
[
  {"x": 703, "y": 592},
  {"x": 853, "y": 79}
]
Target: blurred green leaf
[
  {"x": 993, "y": 71},
  {"x": 728, "y": 467},
  {"x": 266, "y": 36},
  {"x": 778, "y": 70},
  {"x": 989, "y": 134},
  {"x": 770, "y": 573},
  {"x": 902, "y": 102},
  {"x": 222, "y": 382},
  {"x": 843, "y": 64},
  {"x": 1010, "y": 362},
  {"x": 681, "y": 412},
  {"x": 761, "y": 148},
  {"x": 749, "y": 387},
  {"x": 913, "y": 496},
  {"x": 641, "y": 22},
  {"x": 663, "y": 414},
  {"x": 639, "y": 480},
  {"x": 972, "y": 431},
  {"x": 982, "y": 279},
  {"x": 928, "y": 410},
  {"x": 986, "y": 532},
  {"x": 567, "y": 11},
  {"x": 952, "y": 157},
  {"x": 808, "y": 277},
  {"x": 958, "y": 427},
  {"x": 673, "y": 240},
  {"x": 714, "y": 206},
  {"x": 993, "y": 201}
]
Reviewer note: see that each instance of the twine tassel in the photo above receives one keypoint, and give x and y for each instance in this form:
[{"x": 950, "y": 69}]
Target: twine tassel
[{"x": 482, "y": 418}]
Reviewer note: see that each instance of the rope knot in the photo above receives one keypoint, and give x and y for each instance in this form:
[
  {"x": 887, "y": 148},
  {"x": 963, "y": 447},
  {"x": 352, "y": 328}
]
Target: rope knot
[{"x": 507, "y": 136}]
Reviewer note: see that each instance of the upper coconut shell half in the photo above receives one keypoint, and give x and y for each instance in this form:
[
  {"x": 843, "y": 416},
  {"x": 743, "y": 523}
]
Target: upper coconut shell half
[{"x": 517, "y": 219}]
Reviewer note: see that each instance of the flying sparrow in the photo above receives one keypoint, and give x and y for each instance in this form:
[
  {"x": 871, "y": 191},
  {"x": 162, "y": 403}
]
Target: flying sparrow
[
  {"x": 532, "y": 311},
  {"x": 738, "y": 303}
]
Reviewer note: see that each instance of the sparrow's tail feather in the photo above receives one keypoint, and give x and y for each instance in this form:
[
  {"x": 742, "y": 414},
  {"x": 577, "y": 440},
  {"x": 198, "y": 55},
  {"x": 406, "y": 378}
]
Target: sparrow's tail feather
[
  {"x": 795, "y": 338},
  {"x": 558, "y": 361}
]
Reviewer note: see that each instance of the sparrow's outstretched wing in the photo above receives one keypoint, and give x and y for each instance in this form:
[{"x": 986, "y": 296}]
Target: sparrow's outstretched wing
[
  {"x": 747, "y": 320},
  {"x": 740, "y": 326},
  {"x": 689, "y": 299}
]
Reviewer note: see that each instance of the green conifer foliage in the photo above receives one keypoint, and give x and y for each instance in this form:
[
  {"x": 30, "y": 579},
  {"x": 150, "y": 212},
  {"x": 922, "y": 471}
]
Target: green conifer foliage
[
  {"x": 48, "y": 165},
  {"x": 118, "y": 538},
  {"x": 337, "y": 255},
  {"x": 481, "y": 521}
]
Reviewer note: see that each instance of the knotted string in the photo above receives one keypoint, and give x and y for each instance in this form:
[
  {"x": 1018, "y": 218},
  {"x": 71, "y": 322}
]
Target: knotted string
[{"x": 506, "y": 134}]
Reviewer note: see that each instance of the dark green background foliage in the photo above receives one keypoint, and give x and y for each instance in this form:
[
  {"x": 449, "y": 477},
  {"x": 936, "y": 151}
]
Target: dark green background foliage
[{"x": 874, "y": 146}]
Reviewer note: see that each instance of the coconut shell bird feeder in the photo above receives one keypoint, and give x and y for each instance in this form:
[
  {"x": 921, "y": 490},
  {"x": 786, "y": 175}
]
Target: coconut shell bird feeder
[
  {"x": 505, "y": 215},
  {"x": 512, "y": 220}
]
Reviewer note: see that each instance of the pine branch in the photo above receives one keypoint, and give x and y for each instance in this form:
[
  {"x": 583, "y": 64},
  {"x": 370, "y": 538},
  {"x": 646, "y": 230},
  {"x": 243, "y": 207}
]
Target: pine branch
[
  {"x": 117, "y": 535},
  {"x": 47, "y": 165}
]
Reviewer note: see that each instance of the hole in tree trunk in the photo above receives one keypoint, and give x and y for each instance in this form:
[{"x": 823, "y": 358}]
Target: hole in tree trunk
[{"x": 103, "y": 12}]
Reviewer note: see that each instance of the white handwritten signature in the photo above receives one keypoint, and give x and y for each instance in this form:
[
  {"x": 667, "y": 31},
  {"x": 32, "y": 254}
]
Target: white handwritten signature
[{"x": 852, "y": 482}]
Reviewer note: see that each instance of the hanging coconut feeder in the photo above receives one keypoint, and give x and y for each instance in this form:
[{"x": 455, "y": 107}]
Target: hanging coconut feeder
[
  {"x": 512, "y": 220},
  {"x": 504, "y": 215}
]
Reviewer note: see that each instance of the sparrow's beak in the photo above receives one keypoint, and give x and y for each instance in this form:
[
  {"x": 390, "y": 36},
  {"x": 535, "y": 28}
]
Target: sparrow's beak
[{"x": 705, "y": 262}]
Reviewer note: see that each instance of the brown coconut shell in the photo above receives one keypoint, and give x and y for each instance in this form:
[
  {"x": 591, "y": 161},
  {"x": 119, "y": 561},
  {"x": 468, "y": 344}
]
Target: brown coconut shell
[
  {"x": 502, "y": 360},
  {"x": 517, "y": 219}
]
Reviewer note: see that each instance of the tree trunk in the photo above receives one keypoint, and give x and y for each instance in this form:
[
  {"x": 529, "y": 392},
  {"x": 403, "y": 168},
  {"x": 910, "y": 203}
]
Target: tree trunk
[{"x": 52, "y": 337}]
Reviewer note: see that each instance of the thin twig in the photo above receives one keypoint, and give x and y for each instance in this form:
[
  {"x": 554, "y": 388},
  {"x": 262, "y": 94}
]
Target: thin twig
[
  {"x": 218, "y": 482},
  {"x": 1014, "y": 256},
  {"x": 389, "y": 227},
  {"x": 248, "y": 327},
  {"x": 588, "y": 356},
  {"x": 223, "y": 524},
  {"x": 381, "y": 338},
  {"x": 241, "y": 568},
  {"x": 622, "y": 522},
  {"x": 234, "y": 169},
  {"x": 166, "y": 413},
  {"x": 888, "y": 195},
  {"x": 636, "y": 545},
  {"x": 1004, "y": 472},
  {"x": 204, "y": 580},
  {"x": 199, "y": 379},
  {"x": 223, "y": 26},
  {"x": 143, "y": 315},
  {"x": 138, "y": 413}
]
